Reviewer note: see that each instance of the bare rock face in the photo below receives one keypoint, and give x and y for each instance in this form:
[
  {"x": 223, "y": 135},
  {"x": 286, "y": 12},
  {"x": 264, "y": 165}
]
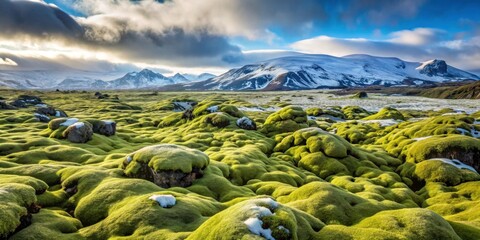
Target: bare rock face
[
  {"x": 435, "y": 68},
  {"x": 79, "y": 132},
  {"x": 166, "y": 165}
]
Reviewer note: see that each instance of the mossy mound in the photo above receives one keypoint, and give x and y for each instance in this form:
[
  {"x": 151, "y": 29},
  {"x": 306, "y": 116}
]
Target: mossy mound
[
  {"x": 355, "y": 112},
  {"x": 345, "y": 179},
  {"x": 357, "y": 132},
  {"x": 257, "y": 218},
  {"x": 17, "y": 203},
  {"x": 166, "y": 165},
  {"x": 326, "y": 154},
  {"x": 464, "y": 148},
  {"x": 386, "y": 113},
  {"x": 360, "y": 95},
  {"x": 395, "y": 224},
  {"x": 287, "y": 119}
]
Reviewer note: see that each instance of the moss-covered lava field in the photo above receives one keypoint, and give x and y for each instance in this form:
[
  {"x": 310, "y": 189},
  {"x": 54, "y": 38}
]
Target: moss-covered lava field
[{"x": 227, "y": 165}]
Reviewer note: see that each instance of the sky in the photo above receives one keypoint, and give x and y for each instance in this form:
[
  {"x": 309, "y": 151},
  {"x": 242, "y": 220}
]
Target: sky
[{"x": 194, "y": 36}]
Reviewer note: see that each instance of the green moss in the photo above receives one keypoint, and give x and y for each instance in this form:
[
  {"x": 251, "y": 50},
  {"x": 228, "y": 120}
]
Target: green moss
[
  {"x": 355, "y": 112},
  {"x": 386, "y": 113},
  {"x": 15, "y": 198},
  {"x": 166, "y": 157},
  {"x": 230, "y": 223}
]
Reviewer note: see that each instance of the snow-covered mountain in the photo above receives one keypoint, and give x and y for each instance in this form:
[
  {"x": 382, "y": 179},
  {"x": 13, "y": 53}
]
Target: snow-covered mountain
[
  {"x": 133, "y": 80},
  {"x": 179, "y": 78},
  {"x": 142, "y": 79},
  {"x": 324, "y": 71},
  {"x": 200, "y": 77}
]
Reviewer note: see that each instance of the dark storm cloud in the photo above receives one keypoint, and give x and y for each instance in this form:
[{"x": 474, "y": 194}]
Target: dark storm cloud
[{"x": 36, "y": 18}]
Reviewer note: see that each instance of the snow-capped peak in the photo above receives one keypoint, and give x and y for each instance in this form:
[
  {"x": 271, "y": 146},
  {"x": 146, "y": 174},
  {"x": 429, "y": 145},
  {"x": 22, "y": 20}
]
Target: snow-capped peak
[{"x": 316, "y": 71}]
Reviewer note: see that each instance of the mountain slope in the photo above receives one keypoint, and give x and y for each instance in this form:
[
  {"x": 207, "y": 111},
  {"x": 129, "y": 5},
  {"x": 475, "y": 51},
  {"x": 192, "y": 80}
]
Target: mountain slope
[
  {"x": 142, "y": 79},
  {"x": 324, "y": 71},
  {"x": 469, "y": 91}
]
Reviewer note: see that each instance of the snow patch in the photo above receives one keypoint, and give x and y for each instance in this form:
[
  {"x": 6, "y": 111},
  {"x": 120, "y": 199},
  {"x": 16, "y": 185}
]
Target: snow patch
[
  {"x": 78, "y": 125},
  {"x": 108, "y": 121},
  {"x": 212, "y": 109},
  {"x": 382, "y": 122},
  {"x": 41, "y": 105},
  {"x": 182, "y": 106},
  {"x": 57, "y": 113},
  {"x": 473, "y": 132},
  {"x": 69, "y": 122},
  {"x": 269, "y": 202},
  {"x": 258, "y": 109},
  {"x": 165, "y": 200},
  {"x": 244, "y": 121},
  {"x": 421, "y": 138},
  {"x": 255, "y": 226},
  {"x": 453, "y": 113},
  {"x": 454, "y": 162},
  {"x": 129, "y": 159}
]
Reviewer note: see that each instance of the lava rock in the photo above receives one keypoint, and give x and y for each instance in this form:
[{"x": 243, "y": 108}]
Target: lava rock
[
  {"x": 104, "y": 127},
  {"x": 50, "y": 111},
  {"x": 6, "y": 106},
  {"x": 246, "y": 123},
  {"x": 79, "y": 132},
  {"x": 42, "y": 117},
  {"x": 30, "y": 99}
]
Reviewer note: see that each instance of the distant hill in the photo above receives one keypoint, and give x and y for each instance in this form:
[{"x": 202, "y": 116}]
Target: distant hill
[{"x": 469, "y": 91}]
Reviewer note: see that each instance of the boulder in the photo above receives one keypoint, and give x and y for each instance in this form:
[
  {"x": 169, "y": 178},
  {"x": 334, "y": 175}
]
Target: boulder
[
  {"x": 166, "y": 165},
  {"x": 33, "y": 100},
  {"x": 79, "y": 132},
  {"x": 49, "y": 111},
  {"x": 104, "y": 127},
  {"x": 246, "y": 123},
  {"x": 6, "y": 106},
  {"x": 42, "y": 117},
  {"x": 18, "y": 103}
]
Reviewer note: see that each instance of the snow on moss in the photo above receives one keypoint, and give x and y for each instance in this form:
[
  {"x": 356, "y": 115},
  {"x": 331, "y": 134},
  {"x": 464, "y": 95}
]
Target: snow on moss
[
  {"x": 165, "y": 200},
  {"x": 212, "y": 109},
  {"x": 255, "y": 226},
  {"x": 78, "y": 124},
  {"x": 454, "y": 162},
  {"x": 255, "y": 223}
]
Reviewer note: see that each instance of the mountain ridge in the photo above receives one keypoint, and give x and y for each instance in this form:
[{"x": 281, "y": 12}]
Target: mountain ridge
[{"x": 311, "y": 71}]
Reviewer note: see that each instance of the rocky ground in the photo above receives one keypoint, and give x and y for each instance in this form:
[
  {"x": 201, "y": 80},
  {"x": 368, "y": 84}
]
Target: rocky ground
[{"x": 251, "y": 165}]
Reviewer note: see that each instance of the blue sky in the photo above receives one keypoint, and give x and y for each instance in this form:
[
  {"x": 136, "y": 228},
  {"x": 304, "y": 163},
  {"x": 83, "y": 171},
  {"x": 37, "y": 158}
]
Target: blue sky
[{"x": 219, "y": 34}]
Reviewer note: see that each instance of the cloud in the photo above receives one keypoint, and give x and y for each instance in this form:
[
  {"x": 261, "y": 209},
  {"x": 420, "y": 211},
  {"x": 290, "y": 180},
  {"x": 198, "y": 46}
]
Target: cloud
[
  {"x": 177, "y": 33},
  {"x": 36, "y": 18},
  {"x": 416, "y": 45}
]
